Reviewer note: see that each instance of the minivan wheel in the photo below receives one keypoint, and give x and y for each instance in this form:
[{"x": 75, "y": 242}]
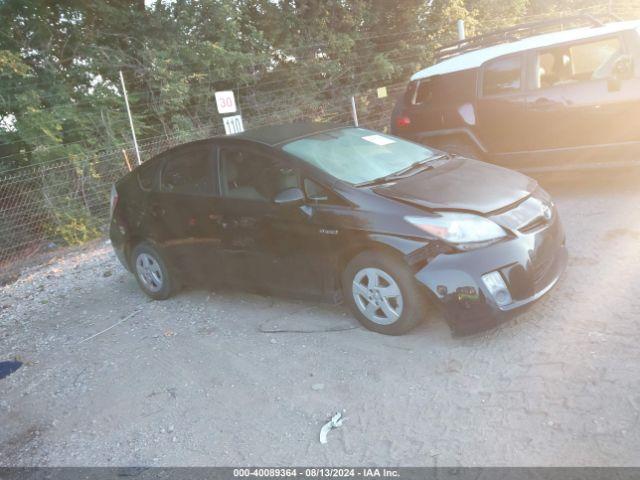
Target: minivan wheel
[
  {"x": 151, "y": 272},
  {"x": 382, "y": 293}
]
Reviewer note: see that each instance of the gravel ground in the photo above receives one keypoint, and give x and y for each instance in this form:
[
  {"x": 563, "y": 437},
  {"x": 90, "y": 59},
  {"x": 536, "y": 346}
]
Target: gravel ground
[{"x": 214, "y": 378}]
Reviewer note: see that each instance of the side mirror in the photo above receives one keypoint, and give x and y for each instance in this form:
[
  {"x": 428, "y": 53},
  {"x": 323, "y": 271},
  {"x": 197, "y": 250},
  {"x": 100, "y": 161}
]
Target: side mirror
[
  {"x": 290, "y": 196},
  {"x": 623, "y": 67},
  {"x": 622, "y": 70}
]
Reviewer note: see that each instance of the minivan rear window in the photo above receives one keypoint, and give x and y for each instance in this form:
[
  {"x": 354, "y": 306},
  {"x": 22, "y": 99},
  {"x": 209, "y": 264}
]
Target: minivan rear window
[
  {"x": 423, "y": 92},
  {"x": 502, "y": 76}
]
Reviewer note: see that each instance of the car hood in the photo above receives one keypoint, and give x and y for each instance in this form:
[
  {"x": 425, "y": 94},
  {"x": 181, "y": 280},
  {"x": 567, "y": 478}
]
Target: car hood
[{"x": 461, "y": 184}]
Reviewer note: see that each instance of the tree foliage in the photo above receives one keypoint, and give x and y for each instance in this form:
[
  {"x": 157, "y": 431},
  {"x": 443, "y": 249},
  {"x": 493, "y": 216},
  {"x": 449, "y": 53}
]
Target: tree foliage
[{"x": 59, "y": 61}]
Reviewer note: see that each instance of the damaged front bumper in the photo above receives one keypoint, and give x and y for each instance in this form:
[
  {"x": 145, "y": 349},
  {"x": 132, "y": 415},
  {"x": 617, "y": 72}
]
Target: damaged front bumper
[{"x": 530, "y": 265}]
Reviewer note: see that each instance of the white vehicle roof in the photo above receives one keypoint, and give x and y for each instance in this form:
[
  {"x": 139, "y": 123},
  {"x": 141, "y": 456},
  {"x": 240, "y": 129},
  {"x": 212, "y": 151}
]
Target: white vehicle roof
[{"x": 475, "y": 58}]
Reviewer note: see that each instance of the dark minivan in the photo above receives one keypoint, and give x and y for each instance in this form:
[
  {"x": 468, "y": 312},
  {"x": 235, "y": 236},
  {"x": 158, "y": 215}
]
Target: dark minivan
[
  {"x": 335, "y": 212},
  {"x": 560, "y": 100}
]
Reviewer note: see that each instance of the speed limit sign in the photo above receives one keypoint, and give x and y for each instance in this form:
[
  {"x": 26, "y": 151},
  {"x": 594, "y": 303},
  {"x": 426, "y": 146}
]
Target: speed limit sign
[
  {"x": 233, "y": 124},
  {"x": 226, "y": 102}
]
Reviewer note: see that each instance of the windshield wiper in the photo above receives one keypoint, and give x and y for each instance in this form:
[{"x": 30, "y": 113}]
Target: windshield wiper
[{"x": 412, "y": 169}]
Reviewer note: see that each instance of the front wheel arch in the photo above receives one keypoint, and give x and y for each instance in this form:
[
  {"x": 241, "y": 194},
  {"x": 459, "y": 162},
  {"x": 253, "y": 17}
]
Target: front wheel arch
[
  {"x": 383, "y": 248},
  {"x": 415, "y": 303}
]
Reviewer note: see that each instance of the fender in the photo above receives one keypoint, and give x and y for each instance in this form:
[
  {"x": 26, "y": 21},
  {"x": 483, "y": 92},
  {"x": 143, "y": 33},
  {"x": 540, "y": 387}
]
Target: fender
[
  {"x": 403, "y": 246},
  {"x": 415, "y": 252}
]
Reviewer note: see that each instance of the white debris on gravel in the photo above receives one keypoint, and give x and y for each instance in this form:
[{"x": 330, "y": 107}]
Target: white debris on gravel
[{"x": 335, "y": 422}]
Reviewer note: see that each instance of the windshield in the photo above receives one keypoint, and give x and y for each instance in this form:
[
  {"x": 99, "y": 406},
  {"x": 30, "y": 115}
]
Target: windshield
[{"x": 357, "y": 155}]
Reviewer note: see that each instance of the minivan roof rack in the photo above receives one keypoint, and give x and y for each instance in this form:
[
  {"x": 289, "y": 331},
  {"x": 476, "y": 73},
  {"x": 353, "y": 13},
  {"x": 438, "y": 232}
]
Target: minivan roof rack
[{"x": 516, "y": 32}]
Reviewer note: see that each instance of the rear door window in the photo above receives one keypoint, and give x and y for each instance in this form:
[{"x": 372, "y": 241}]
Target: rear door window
[
  {"x": 190, "y": 170},
  {"x": 502, "y": 76}
]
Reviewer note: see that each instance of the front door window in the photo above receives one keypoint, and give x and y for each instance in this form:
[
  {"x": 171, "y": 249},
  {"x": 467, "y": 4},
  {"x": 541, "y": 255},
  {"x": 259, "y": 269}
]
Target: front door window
[
  {"x": 250, "y": 176},
  {"x": 577, "y": 63}
]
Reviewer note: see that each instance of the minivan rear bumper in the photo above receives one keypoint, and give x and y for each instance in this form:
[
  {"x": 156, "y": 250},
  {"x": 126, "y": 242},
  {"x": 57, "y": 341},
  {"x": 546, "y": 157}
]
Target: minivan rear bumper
[{"x": 530, "y": 266}]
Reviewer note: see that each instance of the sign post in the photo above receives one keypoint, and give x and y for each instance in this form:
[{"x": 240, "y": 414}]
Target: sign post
[{"x": 354, "y": 111}]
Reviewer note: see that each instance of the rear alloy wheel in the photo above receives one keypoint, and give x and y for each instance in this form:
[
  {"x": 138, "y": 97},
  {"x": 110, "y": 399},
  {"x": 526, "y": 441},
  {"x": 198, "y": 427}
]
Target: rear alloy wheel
[
  {"x": 382, "y": 293},
  {"x": 151, "y": 272}
]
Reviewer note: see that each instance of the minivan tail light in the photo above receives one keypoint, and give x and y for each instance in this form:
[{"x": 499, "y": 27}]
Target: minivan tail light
[
  {"x": 403, "y": 121},
  {"x": 113, "y": 200}
]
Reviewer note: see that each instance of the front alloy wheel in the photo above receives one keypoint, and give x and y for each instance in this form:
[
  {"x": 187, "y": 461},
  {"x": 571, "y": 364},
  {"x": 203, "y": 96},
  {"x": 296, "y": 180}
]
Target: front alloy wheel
[
  {"x": 377, "y": 296},
  {"x": 382, "y": 293}
]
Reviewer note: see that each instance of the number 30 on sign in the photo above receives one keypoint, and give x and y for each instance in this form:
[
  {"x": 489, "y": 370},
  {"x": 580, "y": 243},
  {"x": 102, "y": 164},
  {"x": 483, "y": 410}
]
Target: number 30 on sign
[
  {"x": 233, "y": 124},
  {"x": 226, "y": 102}
]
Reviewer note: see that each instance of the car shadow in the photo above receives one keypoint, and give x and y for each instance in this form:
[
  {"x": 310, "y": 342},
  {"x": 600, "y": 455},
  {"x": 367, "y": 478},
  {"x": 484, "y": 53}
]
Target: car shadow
[{"x": 321, "y": 315}]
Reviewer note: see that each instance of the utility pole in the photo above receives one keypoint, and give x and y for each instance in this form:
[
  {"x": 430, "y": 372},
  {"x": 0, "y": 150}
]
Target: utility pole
[
  {"x": 461, "y": 33},
  {"x": 133, "y": 132}
]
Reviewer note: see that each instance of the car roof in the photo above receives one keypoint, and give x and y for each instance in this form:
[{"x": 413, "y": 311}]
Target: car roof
[
  {"x": 476, "y": 58},
  {"x": 273, "y": 135}
]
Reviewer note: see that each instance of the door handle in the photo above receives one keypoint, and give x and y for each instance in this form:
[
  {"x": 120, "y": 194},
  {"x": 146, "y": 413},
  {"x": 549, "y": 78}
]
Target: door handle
[
  {"x": 157, "y": 210},
  {"x": 228, "y": 223}
]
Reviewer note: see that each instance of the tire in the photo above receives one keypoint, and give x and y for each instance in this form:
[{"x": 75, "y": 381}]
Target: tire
[
  {"x": 409, "y": 307},
  {"x": 151, "y": 272}
]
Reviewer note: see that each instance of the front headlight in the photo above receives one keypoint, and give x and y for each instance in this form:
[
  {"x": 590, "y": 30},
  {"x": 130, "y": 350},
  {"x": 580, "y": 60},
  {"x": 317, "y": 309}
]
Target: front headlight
[{"x": 458, "y": 228}]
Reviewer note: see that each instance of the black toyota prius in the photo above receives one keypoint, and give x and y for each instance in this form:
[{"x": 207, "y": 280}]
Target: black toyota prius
[{"x": 341, "y": 213}]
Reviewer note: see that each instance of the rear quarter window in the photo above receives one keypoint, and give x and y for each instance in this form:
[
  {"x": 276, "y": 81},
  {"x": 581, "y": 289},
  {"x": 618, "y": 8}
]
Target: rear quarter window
[
  {"x": 502, "y": 76},
  {"x": 146, "y": 176}
]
